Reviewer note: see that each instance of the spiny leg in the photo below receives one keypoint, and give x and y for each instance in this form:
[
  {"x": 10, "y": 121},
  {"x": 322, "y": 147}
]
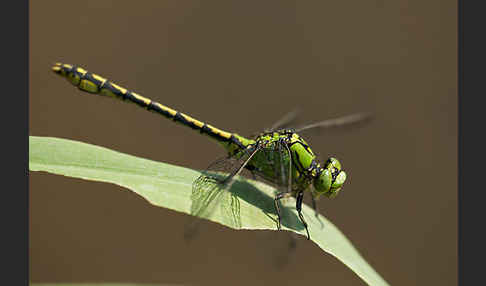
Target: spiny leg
[{"x": 298, "y": 206}]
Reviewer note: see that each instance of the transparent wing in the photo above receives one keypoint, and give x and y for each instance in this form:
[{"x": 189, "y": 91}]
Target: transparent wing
[
  {"x": 211, "y": 189},
  {"x": 349, "y": 120},
  {"x": 274, "y": 165},
  {"x": 287, "y": 120},
  {"x": 206, "y": 192}
]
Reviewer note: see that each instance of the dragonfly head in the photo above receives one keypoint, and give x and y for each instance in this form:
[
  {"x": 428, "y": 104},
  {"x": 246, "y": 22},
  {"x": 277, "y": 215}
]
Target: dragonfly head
[{"x": 331, "y": 179}]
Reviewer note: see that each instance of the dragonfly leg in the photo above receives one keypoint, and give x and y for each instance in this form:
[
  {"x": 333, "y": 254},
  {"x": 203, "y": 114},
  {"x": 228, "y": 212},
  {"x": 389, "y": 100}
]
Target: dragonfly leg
[{"x": 300, "y": 197}]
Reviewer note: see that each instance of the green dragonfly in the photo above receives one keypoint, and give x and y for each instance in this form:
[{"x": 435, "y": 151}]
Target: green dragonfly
[{"x": 278, "y": 155}]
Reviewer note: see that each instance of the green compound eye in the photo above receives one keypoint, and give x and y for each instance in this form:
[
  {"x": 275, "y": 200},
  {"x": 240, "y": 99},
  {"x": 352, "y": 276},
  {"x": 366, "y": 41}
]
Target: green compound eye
[
  {"x": 332, "y": 162},
  {"x": 325, "y": 184},
  {"x": 337, "y": 185}
]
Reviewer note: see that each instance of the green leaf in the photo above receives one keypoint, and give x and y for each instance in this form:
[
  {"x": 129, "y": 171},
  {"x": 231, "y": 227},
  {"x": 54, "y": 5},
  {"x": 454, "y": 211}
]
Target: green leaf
[{"x": 170, "y": 187}]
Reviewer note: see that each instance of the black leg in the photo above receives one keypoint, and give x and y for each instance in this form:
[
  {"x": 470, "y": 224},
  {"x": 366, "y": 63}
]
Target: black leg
[{"x": 300, "y": 197}]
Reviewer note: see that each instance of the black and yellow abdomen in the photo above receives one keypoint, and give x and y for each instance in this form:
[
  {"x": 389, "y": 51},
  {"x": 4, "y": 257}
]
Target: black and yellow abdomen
[{"x": 93, "y": 83}]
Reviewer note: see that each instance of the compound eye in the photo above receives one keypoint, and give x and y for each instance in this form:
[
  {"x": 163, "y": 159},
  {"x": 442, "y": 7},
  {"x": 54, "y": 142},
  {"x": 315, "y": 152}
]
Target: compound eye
[
  {"x": 337, "y": 184},
  {"x": 332, "y": 163},
  {"x": 339, "y": 181},
  {"x": 322, "y": 184}
]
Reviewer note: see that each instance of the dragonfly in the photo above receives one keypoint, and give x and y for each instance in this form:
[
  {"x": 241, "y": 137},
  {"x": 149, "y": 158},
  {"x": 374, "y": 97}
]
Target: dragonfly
[{"x": 278, "y": 155}]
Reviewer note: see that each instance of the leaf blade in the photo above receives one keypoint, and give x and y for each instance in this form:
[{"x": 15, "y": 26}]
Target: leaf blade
[{"x": 170, "y": 186}]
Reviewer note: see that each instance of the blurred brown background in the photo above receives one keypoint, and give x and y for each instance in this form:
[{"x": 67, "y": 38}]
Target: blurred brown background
[{"x": 240, "y": 65}]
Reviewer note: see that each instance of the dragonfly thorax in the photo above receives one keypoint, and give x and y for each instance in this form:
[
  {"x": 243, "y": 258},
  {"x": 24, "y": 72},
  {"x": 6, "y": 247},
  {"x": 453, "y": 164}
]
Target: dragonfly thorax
[{"x": 286, "y": 158}]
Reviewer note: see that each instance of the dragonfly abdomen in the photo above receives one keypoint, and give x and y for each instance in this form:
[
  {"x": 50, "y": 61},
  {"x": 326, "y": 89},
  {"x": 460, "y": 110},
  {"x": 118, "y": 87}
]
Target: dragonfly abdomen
[{"x": 95, "y": 84}]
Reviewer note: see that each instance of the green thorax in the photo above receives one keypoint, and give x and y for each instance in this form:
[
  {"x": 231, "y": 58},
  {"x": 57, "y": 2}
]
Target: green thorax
[{"x": 272, "y": 161}]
